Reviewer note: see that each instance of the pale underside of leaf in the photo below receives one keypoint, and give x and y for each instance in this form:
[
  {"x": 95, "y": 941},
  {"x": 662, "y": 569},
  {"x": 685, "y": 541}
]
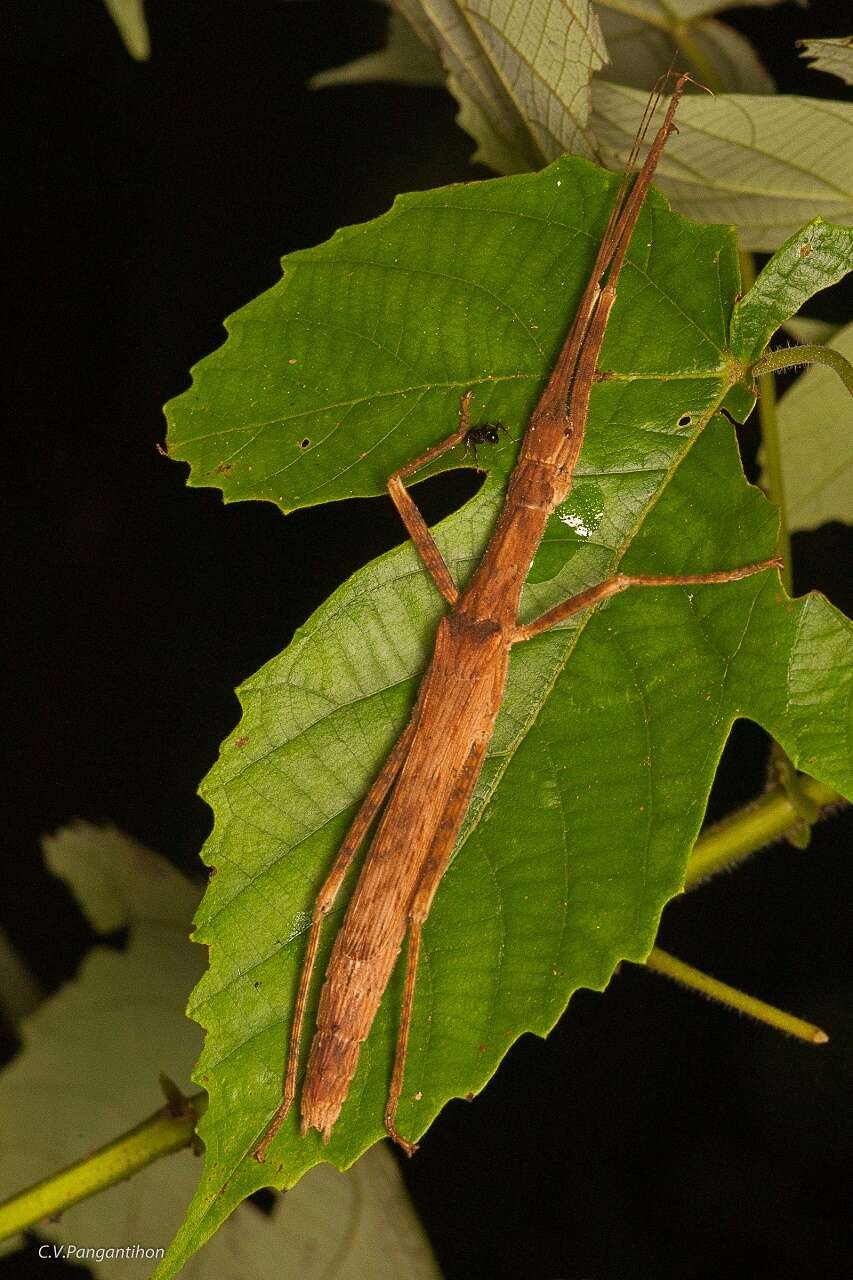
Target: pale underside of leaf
[
  {"x": 764, "y": 164},
  {"x": 520, "y": 72},
  {"x": 833, "y": 56},
  {"x": 671, "y": 12},
  {"x": 816, "y": 439}
]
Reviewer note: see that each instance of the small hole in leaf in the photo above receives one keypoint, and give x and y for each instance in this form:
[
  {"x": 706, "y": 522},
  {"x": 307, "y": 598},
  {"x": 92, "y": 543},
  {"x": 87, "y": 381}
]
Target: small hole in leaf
[
  {"x": 685, "y": 420},
  {"x": 303, "y": 444}
]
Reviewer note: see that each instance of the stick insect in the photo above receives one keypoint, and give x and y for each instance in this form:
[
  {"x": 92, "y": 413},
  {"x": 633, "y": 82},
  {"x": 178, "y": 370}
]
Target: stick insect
[{"x": 427, "y": 781}]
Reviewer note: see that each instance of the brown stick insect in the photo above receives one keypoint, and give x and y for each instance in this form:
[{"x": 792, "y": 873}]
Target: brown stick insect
[{"x": 428, "y": 779}]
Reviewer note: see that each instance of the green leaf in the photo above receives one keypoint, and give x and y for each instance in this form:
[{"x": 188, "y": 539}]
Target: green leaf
[
  {"x": 816, "y": 444},
  {"x": 833, "y": 56},
  {"x": 355, "y": 362},
  {"x": 600, "y": 766},
  {"x": 819, "y": 255}
]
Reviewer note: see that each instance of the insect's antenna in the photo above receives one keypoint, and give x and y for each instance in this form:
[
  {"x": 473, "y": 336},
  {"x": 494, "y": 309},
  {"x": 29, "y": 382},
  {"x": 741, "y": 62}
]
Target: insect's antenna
[
  {"x": 652, "y": 104},
  {"x": 628, "y": 211},
  {"x": 615, "y": 241}
]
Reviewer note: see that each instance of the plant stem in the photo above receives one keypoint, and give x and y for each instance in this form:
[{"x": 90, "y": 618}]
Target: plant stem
[
  {"x": 793, "y": 357},
  {"x": 167, "y": 1130},
  {"x": 678, "y": 971},
  {"x": 744, "y": 832}
]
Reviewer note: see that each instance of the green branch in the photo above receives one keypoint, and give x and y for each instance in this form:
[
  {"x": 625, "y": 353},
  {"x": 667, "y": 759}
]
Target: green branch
[
  {"x": 695, "y": 980},
  {"x": 770, "y": 818},
  {"x": 167, "y": 1130},
  {"x": 795, "y": 357}
]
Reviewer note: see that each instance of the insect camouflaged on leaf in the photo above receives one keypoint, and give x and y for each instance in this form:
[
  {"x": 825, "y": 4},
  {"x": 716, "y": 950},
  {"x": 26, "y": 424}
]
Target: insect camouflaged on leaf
[{"x": 427, "y": 781}]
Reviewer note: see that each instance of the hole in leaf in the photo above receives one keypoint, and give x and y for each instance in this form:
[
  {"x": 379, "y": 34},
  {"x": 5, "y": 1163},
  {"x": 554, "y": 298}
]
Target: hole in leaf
[
  {"x": 685, "y": 420},
  {"x": 303, "y": 444}
]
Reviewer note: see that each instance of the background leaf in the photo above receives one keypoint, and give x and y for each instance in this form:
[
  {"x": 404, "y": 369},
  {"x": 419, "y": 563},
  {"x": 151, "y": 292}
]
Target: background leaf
[
  {"x": 523, "y": 79},
  {"x": 608, "y": 738},
  {"x": 99, "y": 1043},
  {"x": 129, "y": 17},
  {"x": 519, "y": 72},
  {"x": 764, "y": 164},
  {"x": 816, "y": 436},
  {"x": 403, "y": 58},
  {"x": 643, "y": 40},
  {"x": 833, "y": 56}
]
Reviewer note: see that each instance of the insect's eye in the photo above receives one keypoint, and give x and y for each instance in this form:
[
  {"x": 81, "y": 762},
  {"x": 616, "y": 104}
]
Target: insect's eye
[{"x": 491, "y": 435}]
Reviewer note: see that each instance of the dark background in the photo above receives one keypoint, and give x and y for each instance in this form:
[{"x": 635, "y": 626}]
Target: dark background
[{"x": 652, "y": 1135}]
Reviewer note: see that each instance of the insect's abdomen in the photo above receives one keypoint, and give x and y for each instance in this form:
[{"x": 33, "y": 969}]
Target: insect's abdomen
[
  {"x": 459, "y": 705},
  {"x": 345, "y": 1015}
]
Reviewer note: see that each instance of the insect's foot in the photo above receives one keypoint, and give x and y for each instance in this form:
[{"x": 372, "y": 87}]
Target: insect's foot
[
  {"x": 409, "y": 1147},
  {"x": 260, "y": 1151}
]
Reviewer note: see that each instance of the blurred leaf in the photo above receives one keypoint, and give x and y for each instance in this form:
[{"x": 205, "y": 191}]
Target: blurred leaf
[
  {"x": 809, "y": 330},
  {"x": 129, "y": 17},
  {"x": 116, "y": 880},
  {"x": 522, "y": 78},
  {"x": 88, "y": 1070},
  {"x": 715, "y": 54},
  {"x": 816, "y": 437},
  {"x": 673, "y": 12},
  {"x": 404, "y": 58},
  {"x": 833, "y": 56},
  {"x": 611, "y": 728},
  {"x": 20, "y": 992},
  {"x": 764, "y": 164}
]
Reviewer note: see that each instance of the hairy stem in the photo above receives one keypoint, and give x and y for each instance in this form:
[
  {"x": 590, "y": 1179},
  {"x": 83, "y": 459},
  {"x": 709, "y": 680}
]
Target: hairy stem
[
  {"x": 793, "y": 357},
  {"x": 704, "y": 984},
  {"x": 742, "y": 833},
  {"x": 167, "y": 1130}
]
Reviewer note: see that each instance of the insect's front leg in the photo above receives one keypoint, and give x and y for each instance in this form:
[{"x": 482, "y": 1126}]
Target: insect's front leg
[
  {"x": 622, "y": 581},
  {"x": 410, "y": 515}
]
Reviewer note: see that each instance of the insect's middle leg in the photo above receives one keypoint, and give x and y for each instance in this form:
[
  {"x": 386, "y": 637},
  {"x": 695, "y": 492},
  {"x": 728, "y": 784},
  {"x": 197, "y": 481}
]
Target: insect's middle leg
[
  {"x": 417, "y": 527},
  {"x": 622, "y": 581},
  {"x": 324, "y": 902},
  {"x": 431, "y": 876}
]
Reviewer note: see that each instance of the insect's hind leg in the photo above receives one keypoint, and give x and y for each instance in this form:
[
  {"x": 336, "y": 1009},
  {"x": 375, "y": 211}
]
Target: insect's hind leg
[
  {"x": 324, "y": 902},
  {"x": 431, "y": 876},
  {"x": 417, "y": 527},
  {"x": 622, "y": 581}
]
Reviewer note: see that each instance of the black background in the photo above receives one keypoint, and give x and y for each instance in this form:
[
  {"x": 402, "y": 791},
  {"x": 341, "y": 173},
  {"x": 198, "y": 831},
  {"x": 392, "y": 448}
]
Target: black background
[{"x": 652, "y": 1135}]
